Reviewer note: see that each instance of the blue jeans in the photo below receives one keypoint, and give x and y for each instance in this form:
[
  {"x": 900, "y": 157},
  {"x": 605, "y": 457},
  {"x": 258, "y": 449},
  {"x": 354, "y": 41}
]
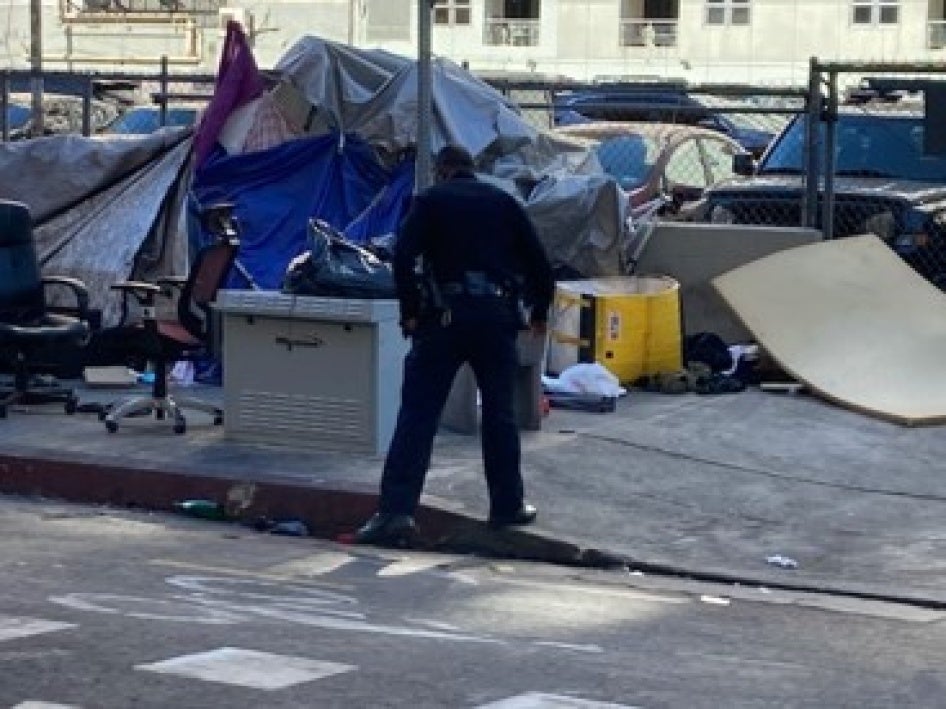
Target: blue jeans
[{"x": 429, "y": 369}]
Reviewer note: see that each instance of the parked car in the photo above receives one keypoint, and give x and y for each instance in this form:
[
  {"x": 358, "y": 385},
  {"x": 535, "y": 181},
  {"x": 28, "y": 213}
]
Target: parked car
[
  {"x": 885, "y": 183},
  {"x": 140, "y": 120},
  {"x": 17, "y": 117},
  {"x": 650, "y": 159},
  {"x": 664, "y": 105}
]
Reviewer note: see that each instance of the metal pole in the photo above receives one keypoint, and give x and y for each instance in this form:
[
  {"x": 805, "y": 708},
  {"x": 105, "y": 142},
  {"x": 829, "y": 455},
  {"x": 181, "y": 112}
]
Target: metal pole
[
  {"x": 423, "y": 176},
  {"x": 809, "y": 212},
  {"x": 830, "y": 138},
  {"x": 87, "y": 106},
  {"x": 4, "y": 104},
  {"x": 352, "y": 5},
  {"x": 36, "y": 66},
  {"x": 163, "y": 101}
]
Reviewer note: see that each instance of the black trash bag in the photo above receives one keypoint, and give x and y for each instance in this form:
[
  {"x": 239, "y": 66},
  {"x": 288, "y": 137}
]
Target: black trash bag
[
  {"x": 336, "y": 267},
  {"x": 710, "y": 349}
]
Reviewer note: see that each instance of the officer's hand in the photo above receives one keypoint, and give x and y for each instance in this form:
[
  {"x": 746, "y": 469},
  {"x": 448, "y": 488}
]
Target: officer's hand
[
  {"x": 409, "y": 326},
  {"x": 538, "y": 328}
]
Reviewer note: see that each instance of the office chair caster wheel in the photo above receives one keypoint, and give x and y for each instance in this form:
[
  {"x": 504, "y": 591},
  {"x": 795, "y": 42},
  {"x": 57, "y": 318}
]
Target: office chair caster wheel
[
  {"x": 218, "y": 420},
  {"x": 180, "y": 426},
  {"x": 111, "y": 426},
  {"x": 72, "y": 405}
]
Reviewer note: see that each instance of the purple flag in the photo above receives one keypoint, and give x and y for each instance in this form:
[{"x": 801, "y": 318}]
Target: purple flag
[{"x": 238, "y": 81}]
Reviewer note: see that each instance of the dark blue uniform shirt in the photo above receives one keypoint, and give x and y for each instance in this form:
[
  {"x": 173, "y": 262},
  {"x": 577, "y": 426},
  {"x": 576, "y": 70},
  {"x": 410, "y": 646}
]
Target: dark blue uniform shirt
[{"x": 462, "y": 226}]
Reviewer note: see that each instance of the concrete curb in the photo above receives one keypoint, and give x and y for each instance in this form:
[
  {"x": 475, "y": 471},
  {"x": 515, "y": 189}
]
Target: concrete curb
[{"x": 329, "y": 512}]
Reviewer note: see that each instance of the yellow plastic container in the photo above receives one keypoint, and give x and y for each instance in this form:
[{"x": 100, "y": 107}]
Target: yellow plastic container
[{"x": 630, "y": 324}]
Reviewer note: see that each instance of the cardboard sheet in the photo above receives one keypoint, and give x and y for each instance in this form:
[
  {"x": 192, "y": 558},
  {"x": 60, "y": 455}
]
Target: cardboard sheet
[{"x": 852, "y": 321}]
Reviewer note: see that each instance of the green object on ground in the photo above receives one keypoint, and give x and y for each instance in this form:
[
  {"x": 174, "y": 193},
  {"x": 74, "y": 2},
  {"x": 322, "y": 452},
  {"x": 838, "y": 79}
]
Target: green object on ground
[{"x": 204, "y": 509}]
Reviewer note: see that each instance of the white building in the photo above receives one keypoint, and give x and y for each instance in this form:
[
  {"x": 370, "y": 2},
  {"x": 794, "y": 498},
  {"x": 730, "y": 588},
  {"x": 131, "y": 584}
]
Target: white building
[{"x": 740, "y": 41}]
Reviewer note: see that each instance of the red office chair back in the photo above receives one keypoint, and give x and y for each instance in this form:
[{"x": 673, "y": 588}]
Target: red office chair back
[{"x": 207, "y": 275}]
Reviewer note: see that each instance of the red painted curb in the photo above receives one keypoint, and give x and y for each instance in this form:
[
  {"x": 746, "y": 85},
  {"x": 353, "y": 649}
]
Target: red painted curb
[{"x": 329, "y": 512}]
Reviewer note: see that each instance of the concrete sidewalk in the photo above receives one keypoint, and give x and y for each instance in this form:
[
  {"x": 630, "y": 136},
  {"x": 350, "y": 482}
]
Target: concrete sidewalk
[{"x": 699, "y": 486}]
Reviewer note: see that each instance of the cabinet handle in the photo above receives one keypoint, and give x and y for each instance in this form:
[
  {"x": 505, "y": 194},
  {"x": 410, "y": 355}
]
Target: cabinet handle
[{"x": 290, "y": 342}]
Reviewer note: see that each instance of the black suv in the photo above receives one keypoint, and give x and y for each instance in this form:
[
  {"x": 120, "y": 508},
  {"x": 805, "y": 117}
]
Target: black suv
[
  {"x": 663, "y": 105},
  {"x": 885, "y": 183}
]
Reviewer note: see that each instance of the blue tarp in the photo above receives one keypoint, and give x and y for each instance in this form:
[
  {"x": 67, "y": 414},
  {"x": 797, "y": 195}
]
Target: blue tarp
[
  {"x": 384, "y": 214},
  {"x": 276, "y": 191}
]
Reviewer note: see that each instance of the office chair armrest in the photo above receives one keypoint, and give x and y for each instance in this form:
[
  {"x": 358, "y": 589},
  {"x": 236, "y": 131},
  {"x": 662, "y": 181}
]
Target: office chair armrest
[
  {"x": 142, "y": 292},
  {"x": 170, "y": 285},
  {"x": 77, "y": 287}
]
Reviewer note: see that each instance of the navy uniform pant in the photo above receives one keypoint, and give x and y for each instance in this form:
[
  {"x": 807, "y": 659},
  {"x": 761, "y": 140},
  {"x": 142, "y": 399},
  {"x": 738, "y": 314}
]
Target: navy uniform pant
[{"x": 429, "y": 371}]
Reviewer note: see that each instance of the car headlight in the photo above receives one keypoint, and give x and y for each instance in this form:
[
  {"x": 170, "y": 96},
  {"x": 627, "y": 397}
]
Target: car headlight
[{"x": 722, "y": 215}]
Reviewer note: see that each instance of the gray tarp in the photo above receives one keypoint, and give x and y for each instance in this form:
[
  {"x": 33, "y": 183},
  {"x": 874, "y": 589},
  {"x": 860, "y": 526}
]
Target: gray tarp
[
  {"x": 104, "y": 209},
  {"x": 578, "y": 211}
]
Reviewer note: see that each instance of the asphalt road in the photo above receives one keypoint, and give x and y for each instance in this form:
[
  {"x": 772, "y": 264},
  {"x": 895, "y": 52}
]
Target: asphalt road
[{"x": 105, "y": 608}]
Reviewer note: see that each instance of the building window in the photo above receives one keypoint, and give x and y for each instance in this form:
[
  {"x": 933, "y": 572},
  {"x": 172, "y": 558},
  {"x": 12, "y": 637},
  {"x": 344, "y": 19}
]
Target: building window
[
  {"x": 875, "y": 12},
  {"x": 727, "y": 12},
  {"x": 512, "y": 22},
  {"x": 452, "y": 12},
  {"x": 652, "y": 23}
]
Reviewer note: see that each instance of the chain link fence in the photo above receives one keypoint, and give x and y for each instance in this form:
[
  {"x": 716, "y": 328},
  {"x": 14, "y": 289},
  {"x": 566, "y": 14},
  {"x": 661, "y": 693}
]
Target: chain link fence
[{"x": 860, "y": 150}]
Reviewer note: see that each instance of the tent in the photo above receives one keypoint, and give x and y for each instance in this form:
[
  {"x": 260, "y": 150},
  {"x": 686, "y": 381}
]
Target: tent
[{"x": 334, "y": 137}]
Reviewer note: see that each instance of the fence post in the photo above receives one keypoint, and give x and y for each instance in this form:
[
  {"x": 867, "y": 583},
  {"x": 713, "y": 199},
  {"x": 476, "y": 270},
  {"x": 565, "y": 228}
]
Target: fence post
[
  {"x": 87, "y": 106},
  {"x": 36, "y": 67},
  {"x": 163, "y": 99},
  {"x": 830, "y": 139},
  {"x": 809, "y": 212},
  {"x": 4, "y": 105}
]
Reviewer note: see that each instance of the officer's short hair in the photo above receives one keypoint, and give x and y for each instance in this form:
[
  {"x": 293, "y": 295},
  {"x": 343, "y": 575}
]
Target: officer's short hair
[{"x": 453, "y": 158}]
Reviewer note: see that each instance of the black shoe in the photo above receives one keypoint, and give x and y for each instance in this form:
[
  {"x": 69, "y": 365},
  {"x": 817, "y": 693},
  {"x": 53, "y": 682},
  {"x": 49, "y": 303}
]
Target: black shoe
[
  {"x": 524, "y": 515},
  {"x": 387, "y": 529}
]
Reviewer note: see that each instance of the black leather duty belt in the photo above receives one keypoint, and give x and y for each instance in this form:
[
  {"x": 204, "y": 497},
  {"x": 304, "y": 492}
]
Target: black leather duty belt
[{"x": 474, "y": 290}]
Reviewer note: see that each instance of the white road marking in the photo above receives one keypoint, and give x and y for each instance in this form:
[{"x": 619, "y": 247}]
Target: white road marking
[
  {"x": 410, "y": 565},
  {"x": 315, "y": 565},
  {"x": 538, "y": 700},
  {"x": 176, "y": 610},
  {"x": 11, "y": 627},
  {"x": 30, "y": 704},
  {"x": 593, "y": 649},
  {"x": 247, "y": 668}
]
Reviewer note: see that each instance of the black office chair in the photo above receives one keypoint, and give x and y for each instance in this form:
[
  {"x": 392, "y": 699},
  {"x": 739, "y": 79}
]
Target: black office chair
[
  {"x": 188, "y": 336},
  {"x": 27, "y": 326}
]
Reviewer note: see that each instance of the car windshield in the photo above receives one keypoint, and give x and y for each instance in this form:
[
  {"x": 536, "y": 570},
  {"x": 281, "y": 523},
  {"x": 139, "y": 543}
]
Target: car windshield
[
  {"x": 627, "y": 158},
  {"x": 890, "y": 146},
  {"x": 148, "y": 120}
]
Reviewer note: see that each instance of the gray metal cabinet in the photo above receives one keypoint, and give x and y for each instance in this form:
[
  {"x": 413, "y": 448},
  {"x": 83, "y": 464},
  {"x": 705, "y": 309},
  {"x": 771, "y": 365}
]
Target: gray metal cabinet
[{"x": 311, "y": 372}]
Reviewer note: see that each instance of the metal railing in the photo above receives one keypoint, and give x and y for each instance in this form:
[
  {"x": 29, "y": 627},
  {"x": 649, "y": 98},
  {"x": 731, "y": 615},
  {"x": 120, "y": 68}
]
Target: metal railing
[
  {"x": 507, "y": 32},
  {"x": 81, "y": 99},
  {"x": 110, "y": 11},
  {"x": 648, "y": 33}
]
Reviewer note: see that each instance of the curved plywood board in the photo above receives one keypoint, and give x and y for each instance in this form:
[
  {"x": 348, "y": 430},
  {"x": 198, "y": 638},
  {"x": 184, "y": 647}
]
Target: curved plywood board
[
  {"x": 694, "y": 254},
  {"x": 852, "y": 321}
]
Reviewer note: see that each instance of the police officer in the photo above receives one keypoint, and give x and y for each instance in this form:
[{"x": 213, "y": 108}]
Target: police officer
[{"x": 481, "y": 261}]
